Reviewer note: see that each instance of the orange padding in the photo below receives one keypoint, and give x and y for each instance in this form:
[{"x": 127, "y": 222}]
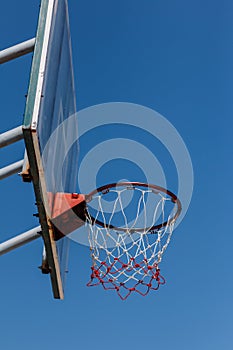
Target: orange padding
[{"x": 67, "y": 212}]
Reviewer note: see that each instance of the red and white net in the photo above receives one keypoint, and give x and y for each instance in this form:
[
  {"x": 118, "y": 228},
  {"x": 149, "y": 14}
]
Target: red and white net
[{"x": 126, "y": 256}]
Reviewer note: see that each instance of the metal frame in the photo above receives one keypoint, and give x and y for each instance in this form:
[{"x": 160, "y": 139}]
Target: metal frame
[
  {"x": 9, "y": 137},
  {"x": 32, "y": 143},
  {"x": 38, "y": 45}
]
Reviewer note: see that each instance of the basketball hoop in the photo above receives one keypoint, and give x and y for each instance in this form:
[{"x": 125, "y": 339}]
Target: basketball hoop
[{"x": 127, "y": 240}]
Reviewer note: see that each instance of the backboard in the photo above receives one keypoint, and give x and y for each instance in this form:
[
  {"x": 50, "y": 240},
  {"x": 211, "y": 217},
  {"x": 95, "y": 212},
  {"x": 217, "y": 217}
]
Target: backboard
[{"x": 50, "y": 102}]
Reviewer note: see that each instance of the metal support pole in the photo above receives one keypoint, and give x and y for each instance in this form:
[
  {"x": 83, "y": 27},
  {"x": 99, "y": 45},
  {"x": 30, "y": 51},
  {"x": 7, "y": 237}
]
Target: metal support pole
[
  {"x": 17, "y": 50},
  {"x": 11, "y": 169},
  {"x": 11, "y": 136},
  {"x": 20, "y": 240}
]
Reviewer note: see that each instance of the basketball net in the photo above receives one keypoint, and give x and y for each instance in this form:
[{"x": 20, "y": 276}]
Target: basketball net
[{"x": 126, "y": 259}]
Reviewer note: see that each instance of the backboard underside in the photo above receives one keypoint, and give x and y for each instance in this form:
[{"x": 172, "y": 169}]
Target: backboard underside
[{"x": 50, "y": 104}]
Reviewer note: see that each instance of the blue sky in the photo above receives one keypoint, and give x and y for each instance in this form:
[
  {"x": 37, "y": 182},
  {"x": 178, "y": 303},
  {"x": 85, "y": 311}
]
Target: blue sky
[{"x": 174, "y": 57}]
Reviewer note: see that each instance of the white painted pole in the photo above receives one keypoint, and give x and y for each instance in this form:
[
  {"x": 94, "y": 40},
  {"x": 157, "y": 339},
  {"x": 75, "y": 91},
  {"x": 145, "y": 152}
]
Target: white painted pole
[
  {"x": 11, "y": 136},
  {"x": 20, "y": 240},
  {"x": 17, "y": 50},
  {"x": 11, "y": 169}
]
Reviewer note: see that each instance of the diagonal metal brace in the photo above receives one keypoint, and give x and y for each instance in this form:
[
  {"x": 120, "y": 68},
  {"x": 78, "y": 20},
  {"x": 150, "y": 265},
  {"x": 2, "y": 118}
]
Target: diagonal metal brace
[
  {"x": 17, "y": 50},
  {"x": 20, "y": 240},
  {"x": 11, "y": 169},
  {"x": 11, "y": 136}
]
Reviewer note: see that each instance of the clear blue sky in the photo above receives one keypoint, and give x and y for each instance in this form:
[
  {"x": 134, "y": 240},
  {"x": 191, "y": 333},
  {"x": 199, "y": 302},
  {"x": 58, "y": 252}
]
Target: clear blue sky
[{"x": 176, "y": 58}]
